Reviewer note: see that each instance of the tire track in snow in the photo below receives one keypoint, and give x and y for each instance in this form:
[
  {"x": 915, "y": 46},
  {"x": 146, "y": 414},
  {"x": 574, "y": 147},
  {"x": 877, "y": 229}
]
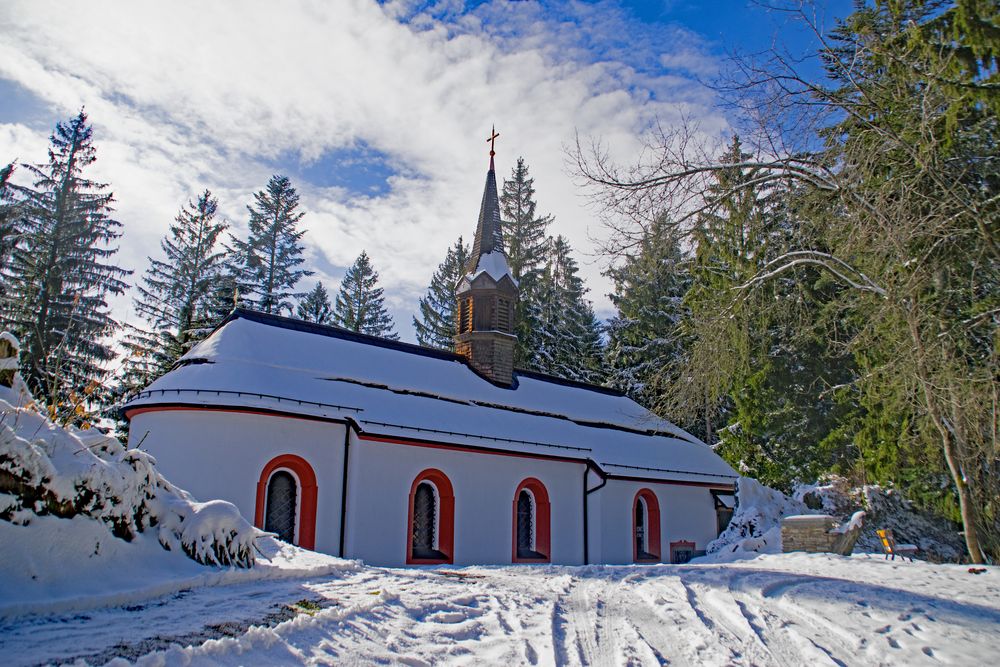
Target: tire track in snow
[
  {"x": 790, "y": 632},
  {"x": 729, "y": 626},
  {"x": 581, "y": 622}
]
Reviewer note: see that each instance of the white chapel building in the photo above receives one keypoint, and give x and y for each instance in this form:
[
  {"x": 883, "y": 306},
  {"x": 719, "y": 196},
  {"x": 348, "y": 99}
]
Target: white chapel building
[{"x": 396, "y": 454}]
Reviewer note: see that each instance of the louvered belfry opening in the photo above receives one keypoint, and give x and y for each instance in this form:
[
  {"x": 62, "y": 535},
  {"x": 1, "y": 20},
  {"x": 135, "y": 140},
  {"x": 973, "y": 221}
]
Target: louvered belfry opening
[
  {"x": 281, "y": 501},
  {"x": 425, "y": 523}
]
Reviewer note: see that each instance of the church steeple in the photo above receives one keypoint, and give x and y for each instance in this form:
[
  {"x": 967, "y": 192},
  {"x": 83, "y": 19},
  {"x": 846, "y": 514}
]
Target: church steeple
[{"x": 487, "y": 293}]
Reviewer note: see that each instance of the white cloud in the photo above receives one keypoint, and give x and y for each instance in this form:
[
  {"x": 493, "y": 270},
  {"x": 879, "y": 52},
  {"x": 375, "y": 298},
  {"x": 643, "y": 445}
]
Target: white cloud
[{"x": 188, "y": 95}]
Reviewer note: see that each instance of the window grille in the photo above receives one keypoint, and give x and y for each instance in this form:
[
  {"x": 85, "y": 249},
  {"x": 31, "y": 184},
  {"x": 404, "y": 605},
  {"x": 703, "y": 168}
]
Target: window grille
[
  {"x": 425, "y": 522},
  {"x": 641, "y": 545},
  {"x": 280, "y": 515},
  {"x": 525, "y": 519},
  {"x": 640, "y": 528}
]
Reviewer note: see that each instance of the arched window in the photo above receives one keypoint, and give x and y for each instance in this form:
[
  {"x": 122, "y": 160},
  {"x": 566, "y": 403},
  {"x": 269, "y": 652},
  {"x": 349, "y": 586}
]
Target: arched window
[
  {"x": 279, "y": 515},
  {"x": 645, "y": 527},
  {"x": 286, "y": 500},
  {"x": 425, "y": 519},
  {"x": 531, "y": 523},
  {"x": 431, "y": 534}
]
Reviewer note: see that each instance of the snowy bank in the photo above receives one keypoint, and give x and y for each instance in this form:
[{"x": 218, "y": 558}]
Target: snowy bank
[
  {"x": 85, "y": 521},
  {"x": 55, "y": 565}
]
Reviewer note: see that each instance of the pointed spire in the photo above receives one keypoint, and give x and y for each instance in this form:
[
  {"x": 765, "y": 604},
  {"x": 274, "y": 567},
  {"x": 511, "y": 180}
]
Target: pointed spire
[{"x": 489, "y": 232}]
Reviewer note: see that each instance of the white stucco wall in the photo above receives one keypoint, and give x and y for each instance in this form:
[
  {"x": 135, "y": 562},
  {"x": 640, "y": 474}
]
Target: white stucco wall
[
  {"x": 686, "y": 513},
  {"x": 380, "y": 477},
  {"x": 216, "y": 454}
]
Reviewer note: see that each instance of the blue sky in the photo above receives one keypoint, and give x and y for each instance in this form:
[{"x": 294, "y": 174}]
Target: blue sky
[{"x": 377, "y": 112}]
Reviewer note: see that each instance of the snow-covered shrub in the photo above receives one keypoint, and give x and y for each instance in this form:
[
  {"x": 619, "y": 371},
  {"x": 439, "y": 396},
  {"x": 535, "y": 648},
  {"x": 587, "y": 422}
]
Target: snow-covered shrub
[
  {"x": 756, "y": 524},
  {"x": 46, "y": 469}
]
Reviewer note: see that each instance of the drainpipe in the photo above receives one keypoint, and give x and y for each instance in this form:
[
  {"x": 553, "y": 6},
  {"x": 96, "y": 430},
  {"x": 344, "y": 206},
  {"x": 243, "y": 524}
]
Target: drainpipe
[
  {"x": 586, "y": 517},
  {"x": 349, "y": 425}
]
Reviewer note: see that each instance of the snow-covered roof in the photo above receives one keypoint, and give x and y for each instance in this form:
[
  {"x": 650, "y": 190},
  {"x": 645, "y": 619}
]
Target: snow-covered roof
[
  {"x": 495, "y": 265},
  {"x": 397, "y": 389}
]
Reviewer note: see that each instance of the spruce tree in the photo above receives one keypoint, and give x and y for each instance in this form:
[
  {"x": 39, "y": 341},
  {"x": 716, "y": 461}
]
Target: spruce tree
[
  {"x": 436, "y": 326},
  {"x": 315, "y": 306},
  {"x": 175, "y": 295},
  {"x": 525, "y": 238},
  {"x": 8, "y": 218},
  {"x": 567, "y": 340},
  {"x": 267, "y": 260},
  {"x": 645, "y": 340},
  {"x": 61, "y": 273},
  {"x": 360, "y": 304}
]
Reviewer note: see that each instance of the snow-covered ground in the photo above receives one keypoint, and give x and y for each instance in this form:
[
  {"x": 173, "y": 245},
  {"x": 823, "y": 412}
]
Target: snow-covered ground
[{"x": 788, "y": 609}]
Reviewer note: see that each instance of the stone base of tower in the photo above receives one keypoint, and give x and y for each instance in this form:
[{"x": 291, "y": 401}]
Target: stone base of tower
[{"x": 491, "y": 353}]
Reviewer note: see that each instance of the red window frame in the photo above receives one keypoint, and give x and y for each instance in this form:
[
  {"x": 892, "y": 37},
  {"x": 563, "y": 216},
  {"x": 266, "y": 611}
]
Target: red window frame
[
  {"x": 652, "y": 526},
  {"x": 543, "y": 524},
  {"x": 446, "y": 518},
  {"x": 307, "y": 487}
]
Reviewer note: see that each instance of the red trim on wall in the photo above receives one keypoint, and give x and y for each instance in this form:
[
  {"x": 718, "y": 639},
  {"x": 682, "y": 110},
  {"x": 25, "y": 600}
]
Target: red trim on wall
[
  {"x": 307, "y": 505},
  {"x": 129, "y": 414},
  {"x": 446, "y": 518},
  {"x": 417, "y": 442},
  {"x": 652, "y": 526},
  {"x": 543, "y": 522}
]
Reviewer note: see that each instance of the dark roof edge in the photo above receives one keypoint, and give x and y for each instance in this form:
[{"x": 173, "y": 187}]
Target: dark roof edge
[{"x": 333, "y": 331}]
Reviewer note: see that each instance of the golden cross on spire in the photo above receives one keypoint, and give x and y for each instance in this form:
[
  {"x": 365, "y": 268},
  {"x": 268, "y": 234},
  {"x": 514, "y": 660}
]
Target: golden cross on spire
[{"x": 493, "y": 140}]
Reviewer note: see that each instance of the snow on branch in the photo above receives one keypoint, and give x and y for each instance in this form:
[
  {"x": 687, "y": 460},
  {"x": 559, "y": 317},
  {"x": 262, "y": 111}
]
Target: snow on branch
[{"x": 834, "y": 265}]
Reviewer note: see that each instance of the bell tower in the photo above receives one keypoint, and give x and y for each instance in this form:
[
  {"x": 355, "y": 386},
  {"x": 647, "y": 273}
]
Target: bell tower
[{"x": 487, "y": 293}]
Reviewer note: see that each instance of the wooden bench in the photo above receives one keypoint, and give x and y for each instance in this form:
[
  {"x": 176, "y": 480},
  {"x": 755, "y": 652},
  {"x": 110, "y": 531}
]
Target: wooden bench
[{"x": 892, "y": 549}]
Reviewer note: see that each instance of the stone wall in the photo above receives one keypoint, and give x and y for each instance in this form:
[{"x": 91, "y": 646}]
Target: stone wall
[{"x": 809, "y": 533}]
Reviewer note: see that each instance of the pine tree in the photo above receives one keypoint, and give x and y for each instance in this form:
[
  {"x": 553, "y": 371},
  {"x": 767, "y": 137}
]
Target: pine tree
[
  {"x": 525, "y": 238},
  {"x": 315, "y": 306},
  {"x": 60, "y": 275},
  {"x": 568, "y": 338},
  {"x": 267, "y": 259},
  {"x": 436, "y": 326},
  {"x": 360, "y": 304},
  {"x": 175, "y": 295},
  {"x": 645, "y": 340}
]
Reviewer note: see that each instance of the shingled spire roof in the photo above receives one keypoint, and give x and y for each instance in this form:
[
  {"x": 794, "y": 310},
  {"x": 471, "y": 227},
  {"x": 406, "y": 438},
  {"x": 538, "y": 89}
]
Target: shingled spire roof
[{"x": 489, "y": 233}]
